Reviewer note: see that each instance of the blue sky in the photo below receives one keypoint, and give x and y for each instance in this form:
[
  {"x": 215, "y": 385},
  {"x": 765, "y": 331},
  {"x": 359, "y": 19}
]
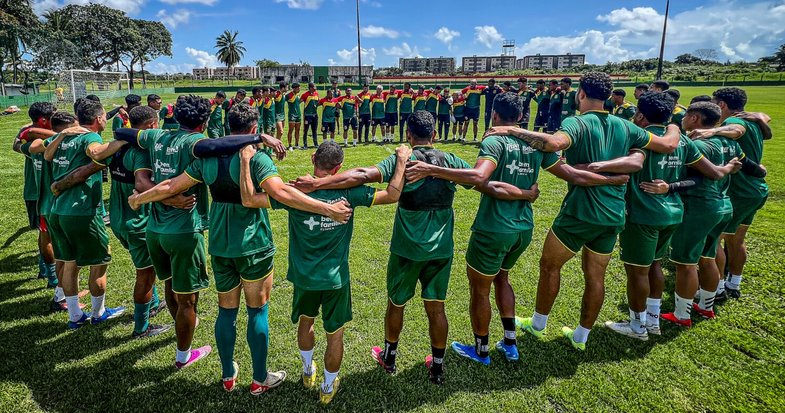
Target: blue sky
[{"x": 323, "y": 32}]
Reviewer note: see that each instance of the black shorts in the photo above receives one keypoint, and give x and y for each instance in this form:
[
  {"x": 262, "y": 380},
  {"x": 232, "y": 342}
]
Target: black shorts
[
  {"x": 444, "y": 118},
  {"x": 310, "y": 119},
  {"x": 460, "y": 119},
  {"x": 328, "y": 126},
  {"x": 541, "y": 120},
  {"x": 350, "y": 122},
  {"x": 378, "y": 122},
  {"x": 365, "y": 118},
  {"x": 32, "y": 214},
  {"x": 405, "y": 117},
  {"x": 472, "y": 113},
  {"x": 390, "y": 119}
]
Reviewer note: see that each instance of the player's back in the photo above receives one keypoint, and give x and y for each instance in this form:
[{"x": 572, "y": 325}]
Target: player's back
[
  {"x": 751, "y": 143},
  {"x": 719, "y": 151},
  {"x": 82, "y": 199},
  {"x": 122, "y": 167}
]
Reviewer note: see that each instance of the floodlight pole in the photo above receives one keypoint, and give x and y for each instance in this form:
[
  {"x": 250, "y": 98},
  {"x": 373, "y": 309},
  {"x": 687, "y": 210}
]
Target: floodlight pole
[
  {"x": 359, "y": 50},
  {"x": 662, "y": 44}
]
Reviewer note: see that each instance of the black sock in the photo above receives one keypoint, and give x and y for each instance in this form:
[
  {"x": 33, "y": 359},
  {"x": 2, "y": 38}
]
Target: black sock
[
  {"x": 437, "y": 366},
  {"x": 390, "y": 351},
  {"x": 508, "y": 323},
  {"x": 481, "y": 345}
]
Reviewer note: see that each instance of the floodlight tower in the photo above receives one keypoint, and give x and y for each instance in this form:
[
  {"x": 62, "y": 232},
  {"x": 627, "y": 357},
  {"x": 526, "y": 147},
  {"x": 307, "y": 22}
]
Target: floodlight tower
[{"x": 508, "y": 48}]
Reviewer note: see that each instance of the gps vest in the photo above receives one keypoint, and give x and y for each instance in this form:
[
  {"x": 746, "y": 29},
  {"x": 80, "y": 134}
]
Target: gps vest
[
  {"x": 118, "y": 171},
  {"x": 224, "y": 189},
  {"x": 434, "y": 194}
]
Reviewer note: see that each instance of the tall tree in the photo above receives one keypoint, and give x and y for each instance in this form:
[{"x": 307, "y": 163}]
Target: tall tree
[
  {"x": 230, "y": 50},
  {"x": 267, "y": 63},
  {"x": 102, "y": 34},
  {"x": 156, "y": 42},
  {"x": 778, "y": 58},
  {"x": 52, "y": 49},
  {"x": 17, "y": 22}
]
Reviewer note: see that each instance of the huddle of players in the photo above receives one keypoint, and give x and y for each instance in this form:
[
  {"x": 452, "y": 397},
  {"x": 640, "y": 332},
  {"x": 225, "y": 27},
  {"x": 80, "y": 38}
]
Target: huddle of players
[{"x": 422, "y": 248}]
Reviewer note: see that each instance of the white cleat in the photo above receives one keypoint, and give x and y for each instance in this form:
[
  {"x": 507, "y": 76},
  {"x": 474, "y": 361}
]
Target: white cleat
[
  {"x": 654, "y": 329},
  {"x": 625, "y": 329}
]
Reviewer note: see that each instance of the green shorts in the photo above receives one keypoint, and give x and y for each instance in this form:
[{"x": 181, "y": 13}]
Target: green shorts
[
  {"x": 230, "y": 272},
  {"x": 336, "y": 306},
  {"x": 279, "y": 117},
  {"x": 697, "y": 236},
  {"x": 641, "y": 244},
  {"x": 488, "y": 253},
  {"x": 136, "y": 244},
  {"x": 80, "y": 238},
  {"x": 181, "y": 258},
  {"x": 295, "y": 118},
  {"x": 403, "y": 274},
  {"x": 575, "y": 234},
  {"x": 268, "y": 124},
  {"x": 744, "y": 210}
]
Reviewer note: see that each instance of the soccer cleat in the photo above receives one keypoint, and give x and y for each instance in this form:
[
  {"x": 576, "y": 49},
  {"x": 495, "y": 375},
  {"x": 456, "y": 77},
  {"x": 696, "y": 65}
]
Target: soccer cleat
[
  {"x": 707, "y": 314},
  {"x": 568, "y": 332},
  {"x": 309, "y": 380},
  {"x": 326, "y": 397},
  {"x": 624, "y": 328},
  {"x": 231, "y": 382},
  {"x": 52, "y": 284},
  {"x": 61, "y": 305},
  {"x": 510, "y": 351},
  {"x": 466, "y": 350},
  {"x": 733, "y": 293},
  {"x": 157, "y": 310},
  {"x": 720, "y": 298},
  {"x": 152, "y": 331},
  {"x": 525, "y": 324},
  {"x": 196, "y": 355},
  {"x": 654, "y": 329},
  {"x": 673, "y": 319},
  {"x": 435, "y": 378},
  {"x": 109, "y": 313},
  {"x": 378, "y": 354},
  {"x": 273, "y": 380},
  {"x": 73, "y": 325}
]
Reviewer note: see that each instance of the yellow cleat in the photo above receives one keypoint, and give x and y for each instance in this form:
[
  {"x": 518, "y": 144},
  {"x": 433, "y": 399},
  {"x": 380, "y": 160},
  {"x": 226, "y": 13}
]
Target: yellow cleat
[
  {"x": 309, "y": 381},
  {"x": 326, "y": 398}
]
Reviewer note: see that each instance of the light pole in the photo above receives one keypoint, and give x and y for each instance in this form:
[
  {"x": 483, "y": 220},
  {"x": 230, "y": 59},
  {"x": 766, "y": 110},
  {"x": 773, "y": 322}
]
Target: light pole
[
  {"x": 359, "y": 50},
  {"x": 662, "y": 44}
]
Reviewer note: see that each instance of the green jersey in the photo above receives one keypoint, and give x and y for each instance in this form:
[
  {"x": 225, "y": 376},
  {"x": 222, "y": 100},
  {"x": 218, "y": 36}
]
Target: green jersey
[
  {"x": 319, "y": 246},
  {"x": 570, "y": 104},
  {"x": 166, "y": 116},
  {"x": 743, "y": 185},
  {"x": 311, "y": 101},
  {"x": 123, "y": 166},
  {"x": 328, "y": 109},
  {"x": 625, "y": 111},
  {"x": 32, "y": 168},
  {"x": 444, "y": 107},
  {"x": 391, "y": 102},
  {"x": 348, "y": 106},
  {"x": 660, "y": 209},
  {"x": 517, "y": 164},
  {"x": 419, "y": 101},
  {"x": 268, "y": 112},
  {"x": 215, "y": 124},
  {"x": 711, "y": 194},
  {"x": 473, "y": 96},
  {"x": 293, "y": 104},
  {"x": 406, "y": 98},
  {"x": 422, "y": 235},
  {"x": 82, "y": 199},
  {"x": 279, "y": 103},
  {"x": 459, "y": 108},
  {"x": 43, "y": 180},
  {"x": 236, "y": 231},
  {"x": 365, "y": 103},
  {"x": 597, "y": 136},
  {"x": 678, "y": 115},
  {"x": 170, "y": 154},
  {"x": 377, "y": 108},
  {"x": 433, "y": 100}
]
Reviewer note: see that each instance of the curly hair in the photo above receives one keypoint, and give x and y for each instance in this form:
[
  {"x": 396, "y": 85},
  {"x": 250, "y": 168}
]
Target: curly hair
[
  {"x": 328, "y": 156},
  {"x": 597, "y": 85},
  {"x": 734, "y": 97},
  {"x": 192, "y": 111},
  {"x": 656, "y": 107},
  {"x": 420, "y": 124},
  {"x": 242, "y": 117},
  {"x": 40, "y": 110},
  {"x": 508, "y": 106},
  {"x": 709, "y": 112}
]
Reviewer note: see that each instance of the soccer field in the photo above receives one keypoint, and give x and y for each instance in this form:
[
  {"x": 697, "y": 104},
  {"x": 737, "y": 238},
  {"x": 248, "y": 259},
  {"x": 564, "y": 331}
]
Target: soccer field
[{"x": 734, "y": 363}]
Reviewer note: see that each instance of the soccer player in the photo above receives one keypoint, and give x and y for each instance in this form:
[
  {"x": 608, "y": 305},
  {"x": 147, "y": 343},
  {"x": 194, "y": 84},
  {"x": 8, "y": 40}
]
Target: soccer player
[
  {"x": 121, "y": 120},
  {"x": 526, "y": 95},
  {"x": 640, "y": 89},
  {"x": 406, "y": 97},
  {"x": 621, "y": 107},
  {"x": 590, "y": 218},
  {"x": 280, "y": 115},
  {"x": 258, "y": 97},
  {"x": 348, "y": 103},
  {"x": 239, "y": 97},
  {"x": 310, "y": 119},
  {"x": 443, "y": 113},
  {"x": 678, "y": 110},
  {"x": 555, "y": 105},
  {"x": 490, "y": 92},
  {"x": 459, "y": 112},
  {"x": 432, "y": 102},
  {"x": 419, "y": 98},
  {"x": 241, "y": 246},
  {"x": 165, "y": 113},
  {"x": 659, "y": 86},
  {"x": 390, "y": 114},
  {"x": 569, "y": 105},
  {"x": 700, "y": 98},
  {"x": 268, "y": 111},
  {"x": 318, "y": 264},
  {"x": 472, "y": 93},
  {"x": 215, "y": 125},
  {"x": 543, "y": 99},
  {"x": 652, "y": 219},
  {"x": 377, "y": 110},
  {"x": 498, "y": 239},
  {"x": 364, "y": 100},
  {"x": 293, "y": 102},
  {"x": 328, "y": 104}
]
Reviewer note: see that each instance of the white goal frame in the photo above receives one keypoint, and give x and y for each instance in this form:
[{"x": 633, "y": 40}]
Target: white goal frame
[{"x": 104, "y": 84}]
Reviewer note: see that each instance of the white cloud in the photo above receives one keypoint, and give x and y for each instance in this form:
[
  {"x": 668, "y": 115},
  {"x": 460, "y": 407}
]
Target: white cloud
[
  {"x": 302, "y": 4},
  {"x": 204, "y": 2},
  {"x": 160, "y": 68},
  {"x": 379, "y": 31},
  {"x": 202, "y": 57},
  {"x": 446, "y": 36},
  {"x": 404, "y": 50},
  {"x": 129, "y": 6},
  {"x": 597, "y": 46},
  {"x": 346, "y": 57},
  {"x": 639, "y": 19},
  {"x": 172, "y": 19},
  {"x": 487, "y": 35}
]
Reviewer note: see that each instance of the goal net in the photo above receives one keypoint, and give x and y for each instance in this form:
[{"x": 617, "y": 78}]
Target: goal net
[{"x": 75, "y": 84}]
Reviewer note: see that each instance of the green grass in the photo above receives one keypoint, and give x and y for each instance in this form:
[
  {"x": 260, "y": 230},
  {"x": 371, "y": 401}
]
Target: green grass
[{"x": 735, "y": 363}]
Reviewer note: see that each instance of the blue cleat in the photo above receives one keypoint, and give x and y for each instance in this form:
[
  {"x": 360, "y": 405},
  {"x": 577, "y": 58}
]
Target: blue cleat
[
  {"x": 466, "y": 350},
  {"x": 510, "y": 352},
  {"x": 73, "y": 325},
  {"x": 109, "y": 313}
]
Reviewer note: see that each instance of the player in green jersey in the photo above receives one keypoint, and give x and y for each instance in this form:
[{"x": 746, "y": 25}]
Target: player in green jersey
[
  {"x": 121, "y": 120},
  {"x": 640, "y": 90},
  {"x": 679, "y": 110},
  {"x": 364, "y": 102},
  {"x": 406, "y": 97},
  {"x": 280, "y": 103},
  {"x": 268, "y": 111},
  {"x": 527, "y": 94},
  {"x": 543, "y": 99},
  {"x": 590, "y": 218},
  {"x": 293, "y": 103},
  {"x": 377, "y": 111},
  {"x": 165, "y": 113},
  {"x": 621, "y": 107},
  {"x": 348, "y": 104},
  {"x": 215, "y": 124},
  {"x": 390, "y": 114},
  {"x": 569, "y": 105}
]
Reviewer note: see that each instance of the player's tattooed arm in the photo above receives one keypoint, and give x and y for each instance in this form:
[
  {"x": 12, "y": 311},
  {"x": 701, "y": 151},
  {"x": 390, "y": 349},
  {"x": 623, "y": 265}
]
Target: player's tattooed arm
[
  {"x": 633, "y": 162},
  {"x": 508, "y": 192},
  {"x": 585, "y": 178},
  {"x": 76, "y": 177},
  {"x": 714, "y": 172},
  {"x": 347, "y": 179},
  {"x": 417, "y": 170},
  {"x": 545, "y": 142},
  {"x": 392, "y": 193}
]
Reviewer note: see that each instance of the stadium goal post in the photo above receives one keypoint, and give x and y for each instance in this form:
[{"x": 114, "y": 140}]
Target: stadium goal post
[{"x": 75, "y": 84}]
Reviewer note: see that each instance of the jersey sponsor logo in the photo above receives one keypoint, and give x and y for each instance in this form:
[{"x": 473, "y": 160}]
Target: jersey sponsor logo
[
  {"x": 515, "y": 147},
  {"x": 164, "y": 168},
  {"x": 62, "y": 162},
  {"x": 68, "y": 145},
  {"x": 670, "y": 162},
  {"x": 324, "y": 224},
  {"x": 522, "y": 168},
  {"x": 158, "y": 147},
  {"x": 172, "y": 150},
  {"x": 311, "y": 223}
]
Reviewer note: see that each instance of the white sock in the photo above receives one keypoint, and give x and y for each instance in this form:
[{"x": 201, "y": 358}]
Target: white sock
[
  {"x": 638, "y": 321},
  {"x": 653, "y": 311},
  {"x": 182, "y": 356},
  {"x": 329, "y": 378},
  {"x": 734, "y": 282},
  {"x": 539, "y": 321},
  {"x": 98, "y": 305},
  {"x": 74, "y": 312},
  {"x": 707, "y": 299},
  {"x": 581, "y": 334},
  {"x": 307, "y": 358},
  {"x": 721, "y": 286},
  {"x": 59, "y": 294},
  {"x": 683, "y": 307}
]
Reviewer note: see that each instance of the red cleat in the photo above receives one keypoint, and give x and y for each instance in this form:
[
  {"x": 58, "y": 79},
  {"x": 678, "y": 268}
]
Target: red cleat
[
  {"x": 707, "y": 314},
  {"x": 675, "y": 320}
]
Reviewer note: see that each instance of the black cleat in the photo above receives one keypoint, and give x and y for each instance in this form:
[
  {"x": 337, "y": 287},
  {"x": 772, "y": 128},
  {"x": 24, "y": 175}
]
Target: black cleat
[
  {"x": 57, "y": 306},
  {"x": 155, "y": 311},
  {"x": 733, "y": 293},
  {"x": 152, "y": 331}
]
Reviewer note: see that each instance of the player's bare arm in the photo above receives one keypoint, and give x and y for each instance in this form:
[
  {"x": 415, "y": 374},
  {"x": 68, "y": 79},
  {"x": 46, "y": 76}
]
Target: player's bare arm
[
  {"x": 347, "y": 179},
  {"x": 585, "y": 178},
  {"x": 509, "y": 192},
  {"x": 666, "y": 143},
  {"x": 143, "y": 181},
  {"x": 100, "y": 151},
  {"x": 733, "y": 131},
  {"x": 714, "y": 172},
  {"x": 392, "y": 193},
  {"x": 761, "y": 119},
  {"x": 417, "y": 170},
  {"x": 545, "y": 142},
  {"x": 76, "y": 177},
  {"x": 633, "y": 162},
  {"x": 165, "y": 189}
]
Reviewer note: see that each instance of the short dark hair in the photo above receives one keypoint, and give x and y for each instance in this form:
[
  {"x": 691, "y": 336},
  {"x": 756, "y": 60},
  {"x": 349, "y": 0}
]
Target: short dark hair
[
  {"x": 78, "y": 102},
  {"x": 523, "y": 79},
  {"x": 256, "y": 89},
  {"x": 709, "y": 112},
  {"x": 88, "y": 110},
  {"x": 152, "y": 98},
  {"x": 553, "y": 82},
  {"x": 508, "y": 106},
  {"x": 295, "y": 84},
  {"x": 140, "y": 115},
  {"x": 596, "y": 85},
  {"x": 491, "y": 80},
  {"x": 94, "y": 98},
  {"x": 734, "y": 97},
  {"x": 567, "y": 80},
  {"x": 662, "y": 84},
  {"x": 40, "y": 110},
  {"x": 642, "y": 86},
  {"x": 282, "y": 85},
  {"x": 420, "y": 125},
  {"x": 656, "y": 107},
  {"x": 241, "y": 92},
  {"x": 438, "y": 87},
  {"x": 701, "y": 98},
  {"x": 540, "y": 82},
  {"x": 266, "y": 88},
  {"x": 192, "y": 111},
  {"x": 133, "y": 100},
  {"x": 242, "y": 117},
  {"x": 620, "y": 92},
  {"x": 61, "y": 120},
  {"x": 507, "y": 83},
  {"x": 310, "y": 85},
  {"x": 675, "y": 94},
  {"x": 328, "y": 155},
  {"x": 220, "y": 94}
]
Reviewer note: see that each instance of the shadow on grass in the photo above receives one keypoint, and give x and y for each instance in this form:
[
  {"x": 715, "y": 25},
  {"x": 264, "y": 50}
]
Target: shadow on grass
[
  {"x": 20, "y": 261},
  {"x": 14, "y": 237}
]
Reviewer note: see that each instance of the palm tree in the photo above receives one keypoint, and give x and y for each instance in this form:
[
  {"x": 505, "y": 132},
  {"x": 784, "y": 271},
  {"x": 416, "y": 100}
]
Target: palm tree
[{"x": 230, "y": 50}]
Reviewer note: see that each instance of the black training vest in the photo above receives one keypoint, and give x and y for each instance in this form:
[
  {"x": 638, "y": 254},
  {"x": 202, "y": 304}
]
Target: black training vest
[
  {"x": 224, "y": 189},
  {"x": 434, "y": 194},
  {"x": 118, "y": 170}
]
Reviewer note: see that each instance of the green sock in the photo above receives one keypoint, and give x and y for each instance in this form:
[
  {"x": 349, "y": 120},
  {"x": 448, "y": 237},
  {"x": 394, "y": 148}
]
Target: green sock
[
  {"x": 225, "y": 337},
  {"x": 258, "y": 340},
  {"x": 141, "y": 317},
  {"x": 41, "y": 266},
  {"x": 156, "y": 301},
  {"x": 51, "y": 275}
]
